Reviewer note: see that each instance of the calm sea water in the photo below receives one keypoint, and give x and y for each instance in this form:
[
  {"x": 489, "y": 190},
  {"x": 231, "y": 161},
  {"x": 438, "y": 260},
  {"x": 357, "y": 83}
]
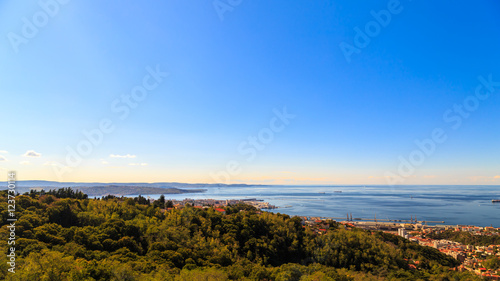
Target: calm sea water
[{"x": 469, "y": 205}]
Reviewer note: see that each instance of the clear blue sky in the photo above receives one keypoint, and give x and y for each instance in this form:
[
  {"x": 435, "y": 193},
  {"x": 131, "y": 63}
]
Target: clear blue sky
[{"x": 230, "y": 71}]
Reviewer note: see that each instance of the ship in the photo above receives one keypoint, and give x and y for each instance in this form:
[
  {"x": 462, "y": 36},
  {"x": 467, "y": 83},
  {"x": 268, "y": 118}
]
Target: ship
[{"x": 495, "y": 201}]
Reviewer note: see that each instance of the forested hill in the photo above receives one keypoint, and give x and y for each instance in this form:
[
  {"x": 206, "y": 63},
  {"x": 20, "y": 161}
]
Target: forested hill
[
  {"x": 139, "y": 188},
  {"x": 130, "y": 239},
  {"x": 119, "y": 190},
  {"x": 103, "y": 189},
  {"x": 467, "y": 238}
]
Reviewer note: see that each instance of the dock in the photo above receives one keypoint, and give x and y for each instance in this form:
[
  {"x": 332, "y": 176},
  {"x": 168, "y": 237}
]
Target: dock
[{"x": 350, "y": 218}]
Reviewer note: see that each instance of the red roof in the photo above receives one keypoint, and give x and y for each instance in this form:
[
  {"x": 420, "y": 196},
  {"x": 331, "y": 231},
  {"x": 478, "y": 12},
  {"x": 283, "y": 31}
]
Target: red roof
[{"x": 220, "y": 210}]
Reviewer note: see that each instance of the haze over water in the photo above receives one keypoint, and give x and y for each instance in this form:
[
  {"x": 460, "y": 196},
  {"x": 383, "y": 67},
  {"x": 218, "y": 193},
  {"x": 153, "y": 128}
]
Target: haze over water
[{"x": 454, "y": 204}]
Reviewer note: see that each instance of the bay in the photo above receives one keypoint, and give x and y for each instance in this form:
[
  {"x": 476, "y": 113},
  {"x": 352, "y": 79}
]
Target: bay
[{"x": 454, "y": 204}]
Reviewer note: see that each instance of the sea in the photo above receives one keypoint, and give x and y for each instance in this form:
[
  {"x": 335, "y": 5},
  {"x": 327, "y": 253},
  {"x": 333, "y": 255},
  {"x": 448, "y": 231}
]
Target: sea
[{"x": 453, "y": 204}]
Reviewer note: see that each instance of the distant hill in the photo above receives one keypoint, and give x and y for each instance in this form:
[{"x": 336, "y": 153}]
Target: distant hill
[
  {"x": 120, "y": 190},
  {"x": 100, "y": 189},
  {"x": 41, "y": 183}
]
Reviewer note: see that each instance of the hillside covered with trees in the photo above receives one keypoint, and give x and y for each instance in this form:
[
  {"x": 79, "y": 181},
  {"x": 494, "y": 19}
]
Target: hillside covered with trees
[
  {"x": 467, "y": 238},
  {"x": 67, "y": 236}
]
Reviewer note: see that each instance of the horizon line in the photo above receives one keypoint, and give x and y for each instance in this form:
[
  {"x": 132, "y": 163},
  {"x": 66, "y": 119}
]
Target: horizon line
[{"x": 253, "y": 184}]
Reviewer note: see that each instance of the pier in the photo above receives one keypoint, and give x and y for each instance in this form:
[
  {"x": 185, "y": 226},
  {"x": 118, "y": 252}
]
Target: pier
[{"x": 350, "y": 218}]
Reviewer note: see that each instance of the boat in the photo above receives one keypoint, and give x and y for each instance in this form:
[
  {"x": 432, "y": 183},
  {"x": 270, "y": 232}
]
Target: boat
[
  {"x": 337, "y": 191},
  {"x": 495, "y": 201},
  {"x": 321, "y": 192}
]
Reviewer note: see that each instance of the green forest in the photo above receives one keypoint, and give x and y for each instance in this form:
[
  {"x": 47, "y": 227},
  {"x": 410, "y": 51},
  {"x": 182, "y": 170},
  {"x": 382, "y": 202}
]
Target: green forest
[
  {"x": 467, "y": 238},
  {"x": 64, "y": 235}
]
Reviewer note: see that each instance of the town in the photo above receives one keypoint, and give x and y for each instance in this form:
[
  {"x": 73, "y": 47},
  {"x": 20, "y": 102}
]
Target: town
[{"x": 471, "y": 257}]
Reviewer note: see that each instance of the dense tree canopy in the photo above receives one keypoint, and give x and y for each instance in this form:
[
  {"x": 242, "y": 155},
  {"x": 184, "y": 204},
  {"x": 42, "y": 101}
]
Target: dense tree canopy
[
  {"x": 467, "y": 238},
  {"x": 64, "y": 236}
]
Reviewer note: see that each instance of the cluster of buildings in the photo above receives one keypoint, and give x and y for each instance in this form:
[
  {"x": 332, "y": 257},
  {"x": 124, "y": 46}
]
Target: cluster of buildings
[
  {"x": 471, "y": 257},
  {"x": 318, "y": 225}
]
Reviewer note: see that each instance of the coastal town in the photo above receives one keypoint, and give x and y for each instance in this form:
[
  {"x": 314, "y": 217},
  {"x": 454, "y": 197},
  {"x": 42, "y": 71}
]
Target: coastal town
[{"x": 471, "y": 257}]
